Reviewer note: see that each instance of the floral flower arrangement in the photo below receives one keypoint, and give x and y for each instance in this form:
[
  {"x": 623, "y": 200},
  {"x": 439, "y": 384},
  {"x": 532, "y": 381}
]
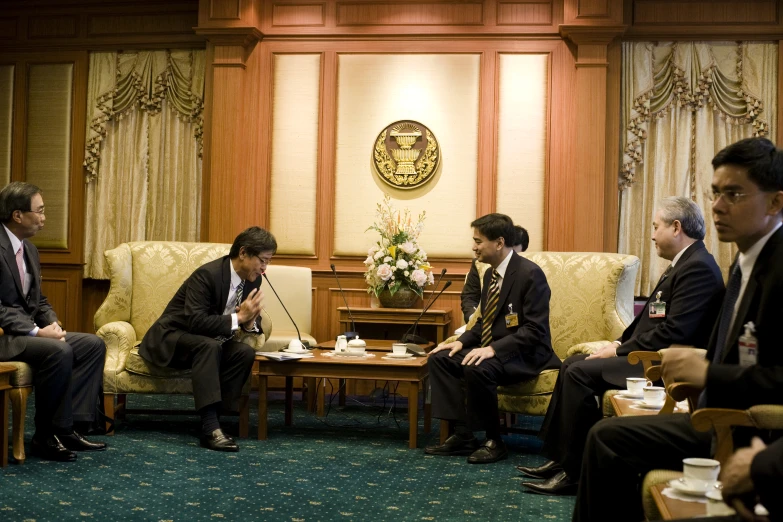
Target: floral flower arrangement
[{"x": 396, "y": 261}]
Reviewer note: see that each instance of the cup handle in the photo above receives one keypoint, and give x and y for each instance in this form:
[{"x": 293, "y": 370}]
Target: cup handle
[{"x": 649, "y": 383}]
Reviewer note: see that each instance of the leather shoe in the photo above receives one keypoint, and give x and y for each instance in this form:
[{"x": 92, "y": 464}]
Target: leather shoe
[
  {"x": 550, "y": 469},
  {"x": 489, "y": 451},
  {"x": 454, "y": 445},
  {"x": 50, "y": 448},
  {"x": 560, "y": 484},
  {"x": 218, "y": 441},
  {"x": 75, "y": 442}
]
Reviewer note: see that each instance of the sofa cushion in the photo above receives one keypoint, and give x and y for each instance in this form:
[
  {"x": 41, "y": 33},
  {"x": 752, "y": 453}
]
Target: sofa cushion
[{"x": 138, "y": 365}]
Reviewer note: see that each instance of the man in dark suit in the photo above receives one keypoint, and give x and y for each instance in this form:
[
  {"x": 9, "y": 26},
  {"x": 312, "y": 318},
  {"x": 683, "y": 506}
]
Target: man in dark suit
[
  {"x": 511, "y": 342},
  {"x": 196, "y": 330},
  {"x": 747, "y": 209},
  {"x": 691, "y": 290},
  {"x": 470, "y": 297},
  {"x": 68, "y": 366}
]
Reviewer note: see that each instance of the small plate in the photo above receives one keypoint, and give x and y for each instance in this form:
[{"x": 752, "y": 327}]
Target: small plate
[
  {"x": 681, "y": 485},
  {"x": 350, "y": 354},
  {"x": 294, "y": 351},
  {"x": 648, "y": 406},
  {"x": 626, "y": 395},
  {"x": 399, "y": 355}
]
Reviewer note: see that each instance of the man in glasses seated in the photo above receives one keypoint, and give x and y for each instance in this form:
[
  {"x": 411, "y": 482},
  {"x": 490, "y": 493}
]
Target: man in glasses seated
[{"x": 197, "y": 327}]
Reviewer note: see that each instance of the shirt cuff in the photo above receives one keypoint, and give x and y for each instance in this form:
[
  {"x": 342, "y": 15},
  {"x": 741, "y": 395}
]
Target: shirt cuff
[
  {"x": 33, "y": 332},
  {"x": 234, "y": 323},
  {"x": 254, "y": 329}
]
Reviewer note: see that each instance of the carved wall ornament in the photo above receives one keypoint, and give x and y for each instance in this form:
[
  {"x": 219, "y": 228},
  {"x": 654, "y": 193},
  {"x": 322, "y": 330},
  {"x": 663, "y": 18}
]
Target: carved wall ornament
[{"x": 406, "y": 154}]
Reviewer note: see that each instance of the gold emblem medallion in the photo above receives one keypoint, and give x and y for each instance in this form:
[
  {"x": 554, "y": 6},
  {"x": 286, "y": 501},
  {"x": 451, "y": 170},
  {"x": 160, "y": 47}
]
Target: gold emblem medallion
[{"x": 406, "y": 154}]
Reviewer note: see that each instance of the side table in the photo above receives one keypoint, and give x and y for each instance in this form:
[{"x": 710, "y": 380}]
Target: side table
[
  {"x": 5, "y": 384},
  {"x": 391, "y": 323}
]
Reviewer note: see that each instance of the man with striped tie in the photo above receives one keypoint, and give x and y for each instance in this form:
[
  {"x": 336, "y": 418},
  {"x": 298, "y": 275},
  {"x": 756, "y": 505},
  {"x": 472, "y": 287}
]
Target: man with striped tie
[
  {"x": 511, "y": 342},
  {"x": 196, "y": 330}
]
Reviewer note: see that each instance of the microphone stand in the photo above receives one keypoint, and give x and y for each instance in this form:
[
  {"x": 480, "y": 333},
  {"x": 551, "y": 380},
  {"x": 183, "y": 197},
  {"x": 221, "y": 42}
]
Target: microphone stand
[
  {"x": 353, "y": 323},
  {"x": 413, "y": 341},
  {"x": 424, "y": 309}
]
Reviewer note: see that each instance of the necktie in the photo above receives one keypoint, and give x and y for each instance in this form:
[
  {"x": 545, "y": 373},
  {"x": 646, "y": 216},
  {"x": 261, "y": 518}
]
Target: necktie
[
  {"x": 232, "y": 309},
  {"x": 490, "y": 308},
  {"x": 20, "y": 263},
  {"x": 726, "y": 313},
  {"x": 240, "y": 289},
  {"x": 665, "y": 274}
]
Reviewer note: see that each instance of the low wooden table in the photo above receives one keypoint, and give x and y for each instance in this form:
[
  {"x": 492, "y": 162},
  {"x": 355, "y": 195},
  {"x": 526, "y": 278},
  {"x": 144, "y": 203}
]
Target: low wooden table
[
  {"x": 623, "y": 406},
  {"x": 411, "y": 371},
  {"x": 392, "y": 323},
  {"x": 5, "y": 384},
  {"x": 673, "y": 509}
]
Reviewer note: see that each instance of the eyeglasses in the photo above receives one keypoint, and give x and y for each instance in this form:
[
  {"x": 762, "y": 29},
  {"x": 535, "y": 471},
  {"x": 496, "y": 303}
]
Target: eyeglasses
[
  {"x": 39, "y": 211},
  {"x": 731, "y": 197},
  {"x": 264, "y": 261}
]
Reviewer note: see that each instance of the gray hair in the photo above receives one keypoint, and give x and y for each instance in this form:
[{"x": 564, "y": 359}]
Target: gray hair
[
  {"x": 686, "y": 212},
  {"x": 17, "y": 195}
]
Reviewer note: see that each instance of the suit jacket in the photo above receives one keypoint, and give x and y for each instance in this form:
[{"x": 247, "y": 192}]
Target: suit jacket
[
  {"x": 470, "y": 296},
  {"x": 728, "y": 384},
  {"x": 20, "y": 315},
  {"x": 692, "y": 291},
  {"x": 525, "y": 350},
  {"x": 766, "y": 470},
  {"x": 197, "y": 308}
]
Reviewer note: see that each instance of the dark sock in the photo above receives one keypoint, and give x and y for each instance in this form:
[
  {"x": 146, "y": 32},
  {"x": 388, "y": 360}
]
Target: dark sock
[
  {"x": 494, "y": 434},
  {"x": 209, "y": 419},
  {"x": 462, "y": 431}
]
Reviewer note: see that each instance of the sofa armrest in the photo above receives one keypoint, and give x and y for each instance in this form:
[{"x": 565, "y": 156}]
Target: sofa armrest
[
  {"x": 120, "y": 337},
  {"x": 585, "y": 348}
]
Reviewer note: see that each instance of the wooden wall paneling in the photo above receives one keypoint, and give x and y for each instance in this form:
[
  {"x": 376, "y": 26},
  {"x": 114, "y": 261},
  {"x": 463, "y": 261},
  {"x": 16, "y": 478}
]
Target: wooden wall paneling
[
  {"x": 613, "y": 147},
  {"x": 561, "y": 199},
  {"x": 8, "y": 27},
  {"x": 486, "y": 177},
  {"x": 593, "y": 11},
  {"x": 438, "y": 13},
  {"x": 229, "y": 13},
  {"x": 324, "y": 241},
  {"x": 779, "y": 131},
  {"x": 63, "y": 288},
  {"x": 257, "y": 124},
  {"x": 309, "y": 14},
  {"x": 94, "y": 292},
  {"x": 526, "y": 13}
]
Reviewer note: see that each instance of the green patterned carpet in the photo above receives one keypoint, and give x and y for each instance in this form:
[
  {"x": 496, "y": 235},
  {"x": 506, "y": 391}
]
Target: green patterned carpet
[{"x": 354, "y": 465}]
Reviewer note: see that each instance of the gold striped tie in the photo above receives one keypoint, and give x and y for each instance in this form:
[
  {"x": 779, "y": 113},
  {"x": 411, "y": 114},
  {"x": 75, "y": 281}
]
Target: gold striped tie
[{"x": 490, "y": 308}]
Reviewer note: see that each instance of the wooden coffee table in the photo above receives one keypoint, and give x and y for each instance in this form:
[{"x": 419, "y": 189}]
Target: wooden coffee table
[
  {"x": 624, "y": 406},
  {"x": 673, "y": 509},
  {"x": 5, "y": 384},
  {"x": 411, "y": 371}
]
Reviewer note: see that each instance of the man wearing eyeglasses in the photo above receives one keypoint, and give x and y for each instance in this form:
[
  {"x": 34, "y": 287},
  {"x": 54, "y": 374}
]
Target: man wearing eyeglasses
[
  {"x": 68, "y": 366},
  {"x": 747, "y": 209},
  {"x": 197, "y": 328}
]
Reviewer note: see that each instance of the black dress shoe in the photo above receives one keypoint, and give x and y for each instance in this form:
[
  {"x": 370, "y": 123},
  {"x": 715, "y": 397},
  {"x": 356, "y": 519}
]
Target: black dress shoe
[
  {"x": 560, "y": 484},
  {"x": 454, "y": 445},
  {"x": 76, "y": 442},
  {"x": 489, "y": 451},
  {"x": 550, "y": 469},
  {"x": 218, "y": 441},
  {"x": 50, "y": 448}
]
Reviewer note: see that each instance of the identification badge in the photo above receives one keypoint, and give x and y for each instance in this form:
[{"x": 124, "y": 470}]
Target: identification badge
[
  {"x": 512, "y": 319},
  {"x": 748, "y": 346},
  {"x": 658, "y": 307}
]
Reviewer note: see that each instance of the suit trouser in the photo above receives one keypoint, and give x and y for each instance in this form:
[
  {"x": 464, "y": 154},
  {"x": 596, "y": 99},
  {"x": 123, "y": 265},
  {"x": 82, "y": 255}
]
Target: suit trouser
[
  {"x": 572, "y": 411},
  {"x": 219, "y": 370},
  {"x": 620, "y": 451},
  {"x": 67, "y": 378},
  {"x": 480, "y": 388}
]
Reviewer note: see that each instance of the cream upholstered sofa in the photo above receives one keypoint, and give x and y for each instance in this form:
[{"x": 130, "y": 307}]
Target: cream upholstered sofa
[
  {"x": 592, "y": 302},
  {"x": 144, "y": 277}
]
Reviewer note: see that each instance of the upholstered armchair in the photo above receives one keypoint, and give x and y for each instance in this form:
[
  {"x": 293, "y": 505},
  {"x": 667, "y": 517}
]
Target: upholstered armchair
[
  {"x": 144, "y": 277},
  {"x": 592, "y": 300},
  {"x": 21, "y": 382}
]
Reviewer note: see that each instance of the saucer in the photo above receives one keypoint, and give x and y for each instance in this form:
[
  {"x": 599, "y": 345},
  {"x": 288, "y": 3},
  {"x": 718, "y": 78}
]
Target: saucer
[
  {"x": 682, "y": 485},
  {"x": 648, "y": 406},
  {"x": 399, "y": 355},
  {"x": 625, "y": 395},
  {"x": 350, "y": 354},
  {"x": 294, "y": 351}
]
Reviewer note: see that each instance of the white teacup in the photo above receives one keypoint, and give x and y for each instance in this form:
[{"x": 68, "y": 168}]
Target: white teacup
[
  {"x": 654, "y": 395},
  {"x": 341, "y": 343},
  {"x": 700, "y": 473},
  {"x": 399, "y": 348},
  {"x": 635, "y": 385},
  {"x": 296, "y": 346}
]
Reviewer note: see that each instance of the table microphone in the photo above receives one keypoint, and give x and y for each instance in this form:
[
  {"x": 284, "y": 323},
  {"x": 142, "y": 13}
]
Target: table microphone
[
  {"x": 413, "y": 341},
  {"x": 305, "y": 343},
  {"x": 353, "y": 324},
  {"x": 424, "y": 308}
]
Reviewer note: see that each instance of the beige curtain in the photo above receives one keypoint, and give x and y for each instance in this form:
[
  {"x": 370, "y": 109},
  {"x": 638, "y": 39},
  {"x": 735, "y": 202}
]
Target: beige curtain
[
  {"x": 682, "y": 103},
  {"x": 143, "y": 156}
]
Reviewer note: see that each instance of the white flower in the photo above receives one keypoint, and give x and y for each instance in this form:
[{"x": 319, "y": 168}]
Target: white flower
[
  {"x": 384, "y": 272},
  {"x": 369, "y": 261},
  {"x": 408, "y": 247},
  {"x": 372, "y": 250},
  {"x": 406, "y": 273},
  {"x": 379, "y": 254},
  {"x": 430, "y": 278},
  {"x": 419, "y": 277},
  {"x": 422, "y": 255},
  {"x": 388, "y": 259},
  {"x": 402, "y": 264}
]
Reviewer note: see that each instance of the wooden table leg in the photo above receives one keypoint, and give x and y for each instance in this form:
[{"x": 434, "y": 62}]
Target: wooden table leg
[
  {"x": 413, "y": 414},
  {"x": 425, "y": 385},
  {"x": 320, "y": 387},
  {"x": 244, "y": 416},
  {"x": 4, "y": 427},
  {"x": 262, "y": 406},
  {"x": 341, "y": 392},
  {"x": 311, "y": 393},
  {"x": 289, "y": 400}
]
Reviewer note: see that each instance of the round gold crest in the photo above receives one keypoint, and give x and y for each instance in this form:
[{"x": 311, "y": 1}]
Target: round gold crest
[{"x": 406, "y": 154}]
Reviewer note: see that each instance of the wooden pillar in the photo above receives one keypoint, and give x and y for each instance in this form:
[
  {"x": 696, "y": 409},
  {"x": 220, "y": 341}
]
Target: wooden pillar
[
  {"x": 231, "y": 199},
  {"x": 592, "y": 180}
]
